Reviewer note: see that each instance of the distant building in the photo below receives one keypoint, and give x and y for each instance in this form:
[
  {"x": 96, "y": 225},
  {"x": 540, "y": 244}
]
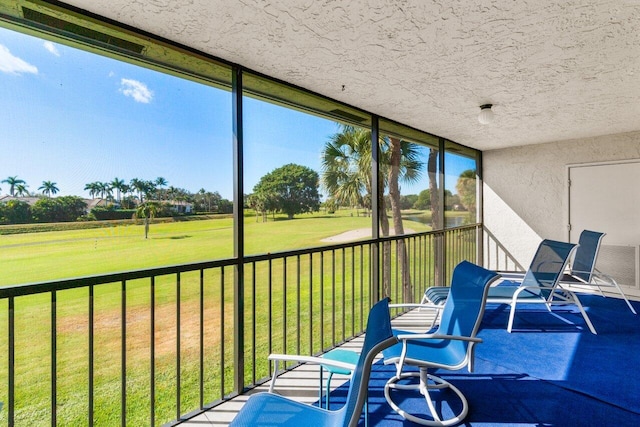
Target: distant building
[
  {"x": 29, "y": 199},
  {"x": 177, "y": 206},
  {"x": 94, "y": 203}
]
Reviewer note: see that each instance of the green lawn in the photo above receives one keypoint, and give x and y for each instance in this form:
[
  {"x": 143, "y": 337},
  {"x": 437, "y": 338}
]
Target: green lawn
[{"x": 36, "y": 257}]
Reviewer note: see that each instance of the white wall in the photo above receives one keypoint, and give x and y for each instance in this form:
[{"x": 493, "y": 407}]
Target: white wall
[{"x": 525, "y": 192}]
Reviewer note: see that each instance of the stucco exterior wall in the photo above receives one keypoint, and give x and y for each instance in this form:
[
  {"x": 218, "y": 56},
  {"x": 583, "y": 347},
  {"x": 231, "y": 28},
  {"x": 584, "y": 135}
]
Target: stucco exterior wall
[{"x": 525, "y": 192}]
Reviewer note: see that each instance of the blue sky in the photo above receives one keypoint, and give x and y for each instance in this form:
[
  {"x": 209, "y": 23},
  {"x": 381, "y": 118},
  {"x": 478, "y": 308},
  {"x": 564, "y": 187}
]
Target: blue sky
[{"x": 73, "y": 118}]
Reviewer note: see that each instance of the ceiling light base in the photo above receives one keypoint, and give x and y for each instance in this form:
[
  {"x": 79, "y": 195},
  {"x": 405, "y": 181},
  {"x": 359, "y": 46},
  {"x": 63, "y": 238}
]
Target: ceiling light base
[{"x": 486, "y": 114}]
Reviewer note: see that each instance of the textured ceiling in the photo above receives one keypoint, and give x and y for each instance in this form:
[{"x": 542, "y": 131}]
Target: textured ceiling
[{"x": 554, "y": 70}]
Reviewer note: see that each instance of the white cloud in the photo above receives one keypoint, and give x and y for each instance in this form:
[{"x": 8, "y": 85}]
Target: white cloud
[
  {"x": 51, "y": 48},
  {"x": 137, "y": 90},
  {"x": 13, "y": 65}
]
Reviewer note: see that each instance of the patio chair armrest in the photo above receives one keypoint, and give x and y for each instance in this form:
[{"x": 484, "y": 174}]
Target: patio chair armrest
[
  {"x": 603, "y": 276},
  {"x": 571, "y": 272},
  {"x": 416, "y": 305},
  {"x": 409, "y": 337},
  {"x": 514, "y": 274},
  {"x": 314, "y": 360},
  {"x": 522, "y": 289},
  {"x": 511, "y": 277},
  {"x": 550, "y": 287}
]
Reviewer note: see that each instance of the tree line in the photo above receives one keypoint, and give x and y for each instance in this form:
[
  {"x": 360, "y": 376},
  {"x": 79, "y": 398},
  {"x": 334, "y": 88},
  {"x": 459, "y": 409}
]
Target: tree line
[
  {"x": 18, "y": 187},
  {"x": 123, "y": 200},
  {"x": 346, "y": 179},
  {"x": 293, "y": 189}
]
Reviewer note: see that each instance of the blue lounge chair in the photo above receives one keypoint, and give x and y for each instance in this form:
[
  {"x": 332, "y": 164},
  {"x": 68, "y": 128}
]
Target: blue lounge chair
[
  {"x": 268, "y": 409},
  {"x": 583, "y": 272},
  {"x": 539, "y": 284},
  {"x": 450, "y": 347}
]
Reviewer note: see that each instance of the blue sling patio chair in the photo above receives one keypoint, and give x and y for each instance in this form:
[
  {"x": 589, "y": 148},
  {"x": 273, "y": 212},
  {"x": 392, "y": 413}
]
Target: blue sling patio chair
[
  {"x": 583, "y": 273},
  {"x": 539, "y": 284},
  {"x": 450, "y": 347},
  {"x": 269, "y": 409}
]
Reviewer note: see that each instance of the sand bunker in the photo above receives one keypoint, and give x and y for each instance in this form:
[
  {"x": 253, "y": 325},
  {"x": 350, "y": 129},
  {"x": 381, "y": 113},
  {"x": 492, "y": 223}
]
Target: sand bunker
[{"x": 358, "y": 234}]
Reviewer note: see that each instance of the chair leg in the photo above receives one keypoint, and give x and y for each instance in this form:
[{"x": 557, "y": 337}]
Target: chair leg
[
  {"x": 512, "y": 314},
  {"x": 601, "y": 291},
  {"x": 435, "y": 318},
  {"x": 610, "y": 281},
  {"x": 320, "y": 389},
  {"x": 328, "y": 392},
  {"x": 424, "y": 390},
  {"x": 426, "y": 383},
  {"x": 584, "y": 315},
  {"x": 624, "y": 297},
  {"x": 366, "y": 410}
]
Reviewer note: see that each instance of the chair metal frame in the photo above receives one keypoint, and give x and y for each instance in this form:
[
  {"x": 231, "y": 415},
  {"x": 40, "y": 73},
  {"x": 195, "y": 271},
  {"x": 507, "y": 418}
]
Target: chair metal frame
[
  {"x": 583, "y": 272},
  {"x": 270, "y": 409},
  {"x": 539, "y": 284},
  {"x": 450, "y": 347}
]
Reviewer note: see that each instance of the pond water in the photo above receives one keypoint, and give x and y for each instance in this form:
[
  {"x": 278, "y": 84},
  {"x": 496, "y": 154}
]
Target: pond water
[{"x": 450, "y": 221}]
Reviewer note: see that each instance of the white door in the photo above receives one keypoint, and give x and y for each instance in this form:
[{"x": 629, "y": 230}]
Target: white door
[{"x": 606, "y": 197}]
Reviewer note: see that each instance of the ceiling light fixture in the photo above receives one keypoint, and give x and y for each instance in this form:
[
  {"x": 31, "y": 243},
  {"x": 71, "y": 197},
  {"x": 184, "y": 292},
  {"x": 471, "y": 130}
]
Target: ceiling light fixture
[{"x": 486, "y": 114}]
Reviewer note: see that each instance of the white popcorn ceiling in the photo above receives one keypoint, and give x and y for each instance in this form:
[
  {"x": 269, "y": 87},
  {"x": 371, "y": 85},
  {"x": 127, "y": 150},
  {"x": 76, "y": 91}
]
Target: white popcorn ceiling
[{"x": 554, "y": 70}]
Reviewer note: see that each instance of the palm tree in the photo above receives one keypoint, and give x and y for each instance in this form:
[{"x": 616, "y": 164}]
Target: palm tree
[
  {"x": 202, "y": 197},
  {"x": 403, "y": 163},
  {"x": 147, "y": 211},
  {"x": 149, "y": 189},
  {"x": 466, "y": 188},
  {"x": 93, "y": 188},
  {"x": 136, "y": 185},
  {"x": 172, "y": 193},
  {"x": 13, "y": 181},
  {"x": 48, "y": 188},
  {"x": 104, "y": 189},
  {"x": 127, "y": 201},
  {"x": 346, "y": 163},
  {"x": 21, "y": 190},
  {"x": 346, "y": 167},
  {"x": 144, "y": 188},
  {"x": 160, "y": 182},
  {"x": 118, "y": 185}
]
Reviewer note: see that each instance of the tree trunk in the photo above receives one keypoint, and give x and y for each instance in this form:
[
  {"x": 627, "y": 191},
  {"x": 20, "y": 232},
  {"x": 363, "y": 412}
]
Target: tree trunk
[
  {"x": 386, "y": 246},
  {"x": 394, "y": 196},
  {"x": 436, "y": 215}
]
